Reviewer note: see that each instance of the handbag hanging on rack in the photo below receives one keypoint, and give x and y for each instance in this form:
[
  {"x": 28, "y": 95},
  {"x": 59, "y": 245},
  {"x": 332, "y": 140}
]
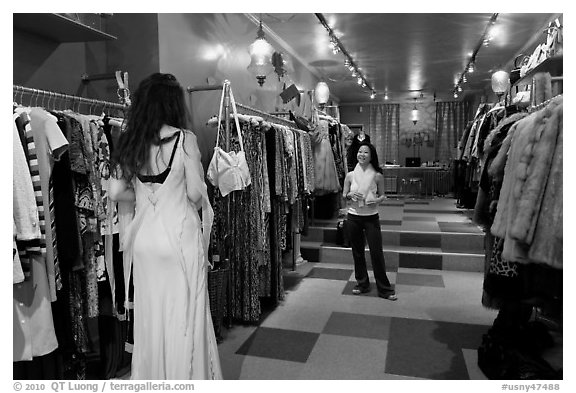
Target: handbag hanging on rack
[{"x": 228, "y": 170}]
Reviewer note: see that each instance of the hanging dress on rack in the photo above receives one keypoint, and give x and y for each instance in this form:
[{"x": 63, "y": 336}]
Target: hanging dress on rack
[
  {"x": 166, "y": 244},
  {"x": 325, "y": 167}
]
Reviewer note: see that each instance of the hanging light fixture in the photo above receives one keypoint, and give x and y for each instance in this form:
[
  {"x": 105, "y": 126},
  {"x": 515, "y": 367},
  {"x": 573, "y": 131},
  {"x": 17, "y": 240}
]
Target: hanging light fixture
[
  {"x": 414, "y": 116},
  {"x": 261, "y": 57},
  {"x": 500, "y": 82},
  {"x": 321, "y": 93},
  {"x": 386, "y": 96}
]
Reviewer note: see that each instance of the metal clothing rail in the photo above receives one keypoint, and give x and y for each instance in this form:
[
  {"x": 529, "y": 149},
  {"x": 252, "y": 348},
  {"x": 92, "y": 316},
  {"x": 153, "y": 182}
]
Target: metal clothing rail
[
  {"x": 244, "y": 109},
  {"x": 76, "y": 99},
  {"x": 266, "y": 116}
]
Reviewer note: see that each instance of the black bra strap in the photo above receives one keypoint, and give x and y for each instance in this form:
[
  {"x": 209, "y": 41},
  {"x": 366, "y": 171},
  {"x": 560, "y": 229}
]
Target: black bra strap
[{"x": 174, "y": 150}]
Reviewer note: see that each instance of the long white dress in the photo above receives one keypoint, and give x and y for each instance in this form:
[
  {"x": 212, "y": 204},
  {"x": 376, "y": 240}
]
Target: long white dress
[{"x": 165, "y": 244}]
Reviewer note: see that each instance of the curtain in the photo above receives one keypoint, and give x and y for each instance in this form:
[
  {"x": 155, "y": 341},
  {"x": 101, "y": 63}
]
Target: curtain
[
  {"x": 451, "y": 121},
  {"x": 385, "y": 130}
]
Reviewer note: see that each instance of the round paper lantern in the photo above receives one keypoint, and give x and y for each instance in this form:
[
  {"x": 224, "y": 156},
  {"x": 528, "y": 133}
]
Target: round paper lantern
[
  {"x": 321, "y": 93},
  {"x": 500, "y": 82}
]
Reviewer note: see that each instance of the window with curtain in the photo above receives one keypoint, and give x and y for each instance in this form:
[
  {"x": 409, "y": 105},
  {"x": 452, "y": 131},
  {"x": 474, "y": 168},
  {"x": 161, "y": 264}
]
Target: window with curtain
[
  {"x": 385, "y": 130},
  {"x": 451, "y": 120}
]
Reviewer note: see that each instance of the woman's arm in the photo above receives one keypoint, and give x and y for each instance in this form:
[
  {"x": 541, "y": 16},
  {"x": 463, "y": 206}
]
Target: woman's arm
[
  {"x": 193, "y": 170},
  {"x": 380, "y": 185}
]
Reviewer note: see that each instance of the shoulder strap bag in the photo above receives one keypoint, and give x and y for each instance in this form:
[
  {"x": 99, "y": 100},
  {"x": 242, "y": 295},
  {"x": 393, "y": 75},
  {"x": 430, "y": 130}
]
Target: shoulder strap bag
[{"x": 228, "y": 170}]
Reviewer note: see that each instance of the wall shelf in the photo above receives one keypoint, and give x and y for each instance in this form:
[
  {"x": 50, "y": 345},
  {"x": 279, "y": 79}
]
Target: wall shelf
[
  {"x": 553, "y": 65},
  {"x": 58, "y": 28}
]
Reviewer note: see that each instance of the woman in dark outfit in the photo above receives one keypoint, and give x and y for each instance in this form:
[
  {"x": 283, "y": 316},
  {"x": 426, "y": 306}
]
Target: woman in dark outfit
[{"x": 364, "y": 189}]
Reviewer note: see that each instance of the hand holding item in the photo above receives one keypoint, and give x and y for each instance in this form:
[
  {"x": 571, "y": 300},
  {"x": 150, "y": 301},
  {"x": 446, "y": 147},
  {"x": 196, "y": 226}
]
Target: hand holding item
[
  {"x": 356, "y": 196},
  {"x": 372, "y": 199}
]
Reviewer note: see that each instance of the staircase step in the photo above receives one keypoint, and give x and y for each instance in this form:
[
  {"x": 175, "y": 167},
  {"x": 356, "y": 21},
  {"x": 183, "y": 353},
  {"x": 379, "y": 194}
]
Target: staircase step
[
  {"x": 446, "y": 241},
  {"x": 398, "y": 256}
]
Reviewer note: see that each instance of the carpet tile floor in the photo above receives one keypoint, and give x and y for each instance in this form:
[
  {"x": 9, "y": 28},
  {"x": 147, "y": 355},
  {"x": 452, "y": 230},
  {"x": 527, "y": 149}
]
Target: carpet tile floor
[{"x": 321, "y": 331}]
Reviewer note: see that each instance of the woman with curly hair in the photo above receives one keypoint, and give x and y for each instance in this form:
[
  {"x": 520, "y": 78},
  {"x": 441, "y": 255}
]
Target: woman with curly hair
[{"x": 157, "y": 166}]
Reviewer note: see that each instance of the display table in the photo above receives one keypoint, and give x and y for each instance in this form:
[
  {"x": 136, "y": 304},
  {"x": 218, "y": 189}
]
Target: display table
[{"x": 417, "y": 181}]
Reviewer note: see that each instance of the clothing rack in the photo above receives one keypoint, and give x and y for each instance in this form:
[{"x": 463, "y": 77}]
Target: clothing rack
[
  {"x": 75, "y": 99},
  {"x": 246, "y": 110}
]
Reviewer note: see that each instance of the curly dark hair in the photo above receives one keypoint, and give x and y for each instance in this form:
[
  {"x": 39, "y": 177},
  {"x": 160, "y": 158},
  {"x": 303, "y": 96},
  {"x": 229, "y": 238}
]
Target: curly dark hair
[
  {"x": 373, "y": 156},
  {"x": 158, "y": 100}
]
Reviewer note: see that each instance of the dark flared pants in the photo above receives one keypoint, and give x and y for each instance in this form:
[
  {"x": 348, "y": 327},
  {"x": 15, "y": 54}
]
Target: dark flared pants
[{"x": 368, "y": 227}]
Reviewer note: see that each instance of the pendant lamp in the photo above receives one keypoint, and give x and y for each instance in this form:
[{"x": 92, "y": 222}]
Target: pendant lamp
[
  {"x": 500, "y": 82},
  {"x": 261, "y": 57},
  {"x": 414, "y": 116},
  {"x": 321, "y": 93}
]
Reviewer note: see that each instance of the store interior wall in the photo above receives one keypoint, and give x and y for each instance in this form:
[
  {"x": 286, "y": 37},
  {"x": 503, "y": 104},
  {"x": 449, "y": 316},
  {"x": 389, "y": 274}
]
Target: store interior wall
[
  {"x": 359, "y": 114},
  {"x": 426, "y": 124},
  {"x": 41, "y": 63},
  {"x": 44, "y": 64}
]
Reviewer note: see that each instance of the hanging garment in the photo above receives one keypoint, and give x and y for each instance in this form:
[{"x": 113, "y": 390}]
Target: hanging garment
[
  {"x": 547, "y": 244},
  {"x": 325, "y": 168},
  {"x": 532, "y": 177},
  {"x": 512, "y": 187},
  {"x": 25, "y": 211},
  {"x": 167, "y": 246},
  {"x": 17, "y": 272}
]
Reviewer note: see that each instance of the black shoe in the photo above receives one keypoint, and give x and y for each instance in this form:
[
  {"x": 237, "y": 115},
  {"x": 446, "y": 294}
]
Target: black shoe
[
  {"x": 357, "y": 290},
  {"x": 389, "y": 296}
]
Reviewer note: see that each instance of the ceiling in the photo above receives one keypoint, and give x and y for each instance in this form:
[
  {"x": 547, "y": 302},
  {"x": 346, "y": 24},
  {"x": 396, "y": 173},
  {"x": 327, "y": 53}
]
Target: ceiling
[{"x": 407, "y": 55}]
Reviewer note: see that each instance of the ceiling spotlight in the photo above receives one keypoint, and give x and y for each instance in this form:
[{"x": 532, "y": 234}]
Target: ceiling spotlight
[
  {"x": 455, "y": 95},
  {"x": 471, "y": 67},
  {"x": 351, "y": 67},
  {"x": 464, "y": 79},
  {"x": 459, "y": 88},
  {"x": 359, "y": 81},
  {"x": 363, "y": 83},
  {"x": 386, "y": 96},
  {"x": 373, "y": 94},
  {"x": 346, "y": 62}
]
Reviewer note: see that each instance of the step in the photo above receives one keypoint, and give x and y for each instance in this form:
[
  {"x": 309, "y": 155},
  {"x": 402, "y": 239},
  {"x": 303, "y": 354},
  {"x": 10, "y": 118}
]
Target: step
[
  {"x": 446, "y": 241},
  {"x": 398, "y": 256}
]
